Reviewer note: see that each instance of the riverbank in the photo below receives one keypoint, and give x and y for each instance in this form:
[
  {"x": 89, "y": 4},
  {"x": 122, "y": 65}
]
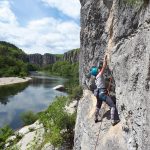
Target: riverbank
[
  {"x": 13, "y": 80},
  {"x": 34, "y": 136}
]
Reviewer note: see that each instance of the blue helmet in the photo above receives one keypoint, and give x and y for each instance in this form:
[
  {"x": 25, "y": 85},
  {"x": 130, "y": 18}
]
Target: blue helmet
[{"x": 94, "y": 71}]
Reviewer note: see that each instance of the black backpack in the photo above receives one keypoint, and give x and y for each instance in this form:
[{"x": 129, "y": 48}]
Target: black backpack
[{"x": 91, "y": 83}]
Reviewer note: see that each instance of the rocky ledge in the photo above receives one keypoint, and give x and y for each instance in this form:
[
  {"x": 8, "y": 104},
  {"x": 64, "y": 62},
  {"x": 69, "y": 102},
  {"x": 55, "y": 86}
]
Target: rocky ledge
[
  {"x": 96, "y": 136},
  {"x": 28, "y": 137}
]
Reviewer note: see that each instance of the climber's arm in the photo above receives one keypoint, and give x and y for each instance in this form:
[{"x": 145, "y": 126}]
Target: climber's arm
[{"x": 104, "y": 66}]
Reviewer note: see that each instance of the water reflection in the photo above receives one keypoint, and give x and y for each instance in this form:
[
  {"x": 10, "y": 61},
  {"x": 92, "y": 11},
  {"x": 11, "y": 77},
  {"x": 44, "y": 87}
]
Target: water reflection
[
  {"x": 35, "y": 96},
  {"x": 10, "y": 90},
  {"x": 47, "y": 82}
]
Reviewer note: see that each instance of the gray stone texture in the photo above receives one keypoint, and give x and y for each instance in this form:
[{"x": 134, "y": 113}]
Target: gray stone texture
[
  {"x": 72, "y": 56},
  {"x": 122, "y": 31},
  {"x": 35, "y": 59},
  {"x": 46, "y": 59}
]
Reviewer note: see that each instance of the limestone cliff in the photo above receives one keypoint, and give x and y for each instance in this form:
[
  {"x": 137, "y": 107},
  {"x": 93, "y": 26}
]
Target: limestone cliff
[
  {"x": 122, "y": 31},
  {"x": 46, "y": 59},
  {"x": 35, "y": 59},
  {"x": 72, "y": 56},
  {"x": 42, "y": 60}
]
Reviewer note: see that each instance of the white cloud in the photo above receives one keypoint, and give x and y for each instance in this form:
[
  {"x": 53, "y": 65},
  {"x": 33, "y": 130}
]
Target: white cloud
[
  {"x": 70, "y": 8},
  {"x": 39, "y": 36},
  {"x": 6, "y": 15}
]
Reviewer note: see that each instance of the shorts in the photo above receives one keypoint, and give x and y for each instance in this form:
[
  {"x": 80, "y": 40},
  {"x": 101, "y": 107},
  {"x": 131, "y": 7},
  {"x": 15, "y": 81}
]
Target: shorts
[{"x": 102, "y": 96}]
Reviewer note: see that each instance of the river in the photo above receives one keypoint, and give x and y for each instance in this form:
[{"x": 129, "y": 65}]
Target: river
[{"x": 36, "y": 96}]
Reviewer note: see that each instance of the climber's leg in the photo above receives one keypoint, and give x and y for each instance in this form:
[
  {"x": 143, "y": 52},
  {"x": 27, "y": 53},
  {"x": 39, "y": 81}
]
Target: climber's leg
[
  {"x": 113, "y": 110},
  {"x": 98, "y": 106}
]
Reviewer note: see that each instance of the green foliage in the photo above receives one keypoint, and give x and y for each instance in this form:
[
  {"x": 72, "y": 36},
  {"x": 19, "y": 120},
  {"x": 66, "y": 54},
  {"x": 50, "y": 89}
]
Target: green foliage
[
  {"x": 11, "y": 67},
  {"x": 63, "y": 68},
  {"x": 10, "y": 49},
  {"x": 31, "y": 129},
  {"x": 5, "y": 132},
  {"x": 67, "y": 70},
  {"x": 29, "y": 117},
  {"x": 11, "y": 63},
  {"x": 77, "y": 50},
  {"x": 71, "y": 72},
  {"x": 58, "y": 122},
  {"x": 32, "y": 67},
  {"x": 19, "y": 136},
  {"x": 76, "y": 92},
  {"x": 10, "y": 90},
  {"x": 8, "y": 44},
  {"x": 59, "y": 56},
  {"x": 15, "y": 147},
  {"x": 134, "y": 2}
]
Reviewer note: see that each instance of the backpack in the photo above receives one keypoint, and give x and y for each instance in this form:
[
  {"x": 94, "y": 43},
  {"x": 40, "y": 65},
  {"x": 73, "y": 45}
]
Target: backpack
[{"x": 91, "y": 84}]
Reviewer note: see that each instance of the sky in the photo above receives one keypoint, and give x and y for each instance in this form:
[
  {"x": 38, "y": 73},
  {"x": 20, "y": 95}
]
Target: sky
[{"x": 41, "y": 26}]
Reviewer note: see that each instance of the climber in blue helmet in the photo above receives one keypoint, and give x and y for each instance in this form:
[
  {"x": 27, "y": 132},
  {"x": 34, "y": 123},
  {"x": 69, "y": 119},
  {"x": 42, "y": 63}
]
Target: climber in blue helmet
[
  {"x": 101, "y": 92},
  {"x": 94, "y": 71}
]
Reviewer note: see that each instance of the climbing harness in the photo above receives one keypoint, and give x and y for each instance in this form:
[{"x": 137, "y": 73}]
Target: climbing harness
[{"x": 108, "y": 89}]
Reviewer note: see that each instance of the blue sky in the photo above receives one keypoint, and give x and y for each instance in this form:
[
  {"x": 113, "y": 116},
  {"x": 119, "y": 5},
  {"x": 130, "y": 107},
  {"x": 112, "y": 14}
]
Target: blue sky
[{"x": 41, "y": 26}]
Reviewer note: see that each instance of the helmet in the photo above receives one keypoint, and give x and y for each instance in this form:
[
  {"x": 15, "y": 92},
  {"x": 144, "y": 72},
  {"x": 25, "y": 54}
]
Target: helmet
[{"x": 94, "y": 71}]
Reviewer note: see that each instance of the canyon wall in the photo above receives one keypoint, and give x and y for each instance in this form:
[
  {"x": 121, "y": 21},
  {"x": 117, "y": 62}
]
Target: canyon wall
[
  {"x": 72, "y": 56},
  {"x": 41, "y": 60},
  {"x": 46, "y": 59},
  {"x": 122, "y": 31}
]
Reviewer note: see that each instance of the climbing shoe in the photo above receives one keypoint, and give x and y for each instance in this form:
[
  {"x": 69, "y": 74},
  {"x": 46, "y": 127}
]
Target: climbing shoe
[
  {"x": 96, "y": 120},
  {"x": 114, "y": 122}
]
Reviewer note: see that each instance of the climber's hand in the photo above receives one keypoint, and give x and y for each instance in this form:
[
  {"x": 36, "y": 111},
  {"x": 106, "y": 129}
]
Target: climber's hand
[{"x": 105, "y": 58}]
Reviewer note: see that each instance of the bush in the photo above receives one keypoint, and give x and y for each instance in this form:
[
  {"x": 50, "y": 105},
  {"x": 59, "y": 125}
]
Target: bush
[
  {"x": 5, "y": 132},
  {"x": 58, "y": 122},
  {"x": 63, "y": 68},
  {"x": 76, "y": 93},
  {"x": 29, "y": 117},
  {"x": 11, "y": 61},
  {"x": 23, "y": 74},
  {"x": 134, "y": 2}
]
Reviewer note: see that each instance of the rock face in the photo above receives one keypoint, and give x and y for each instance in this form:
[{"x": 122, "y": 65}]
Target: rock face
[
  {"x": 72, "y": 56},
  {"x": 101, "y": 136},
  {"x": 42, "y": 60},
  {"x": 46, "y": 59},
  {"x": 35, "y": 59},
  {"x": 49, "y": 59},
  {"x": 122, "y": 31},
  {"x": 31, "y": 137}
]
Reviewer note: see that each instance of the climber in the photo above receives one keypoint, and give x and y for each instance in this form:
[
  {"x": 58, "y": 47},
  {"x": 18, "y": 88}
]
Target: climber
[{"x": 101, "y": 93}]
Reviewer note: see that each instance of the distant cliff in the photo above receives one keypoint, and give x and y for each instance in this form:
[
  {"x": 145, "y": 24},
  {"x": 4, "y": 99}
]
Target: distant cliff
[
  {"x": 46, "y": 59},
  {"x": 42, "y": 60},
  {"x": 121, "y": 30},
  {"x": 72, "y": 56}
]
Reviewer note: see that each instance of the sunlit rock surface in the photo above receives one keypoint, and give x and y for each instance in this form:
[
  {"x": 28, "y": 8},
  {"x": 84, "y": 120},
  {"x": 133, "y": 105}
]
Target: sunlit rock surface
[
  {"x": 31, "y": 137},
  {"x": 122, "y": 31}
]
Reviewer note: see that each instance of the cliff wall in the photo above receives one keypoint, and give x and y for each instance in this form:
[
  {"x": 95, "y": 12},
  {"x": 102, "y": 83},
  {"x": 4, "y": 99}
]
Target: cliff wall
[
  {"x": 122, "y": 31},
  {"x": 46, "y": 59},
  {"x": 72, "y": 56},
  {"x": 42, "y": 60},
  {"x": 35, "y": 59}
]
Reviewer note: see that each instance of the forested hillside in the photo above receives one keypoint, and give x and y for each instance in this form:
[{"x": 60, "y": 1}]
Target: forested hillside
[{"x": 12, "y": 61}]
